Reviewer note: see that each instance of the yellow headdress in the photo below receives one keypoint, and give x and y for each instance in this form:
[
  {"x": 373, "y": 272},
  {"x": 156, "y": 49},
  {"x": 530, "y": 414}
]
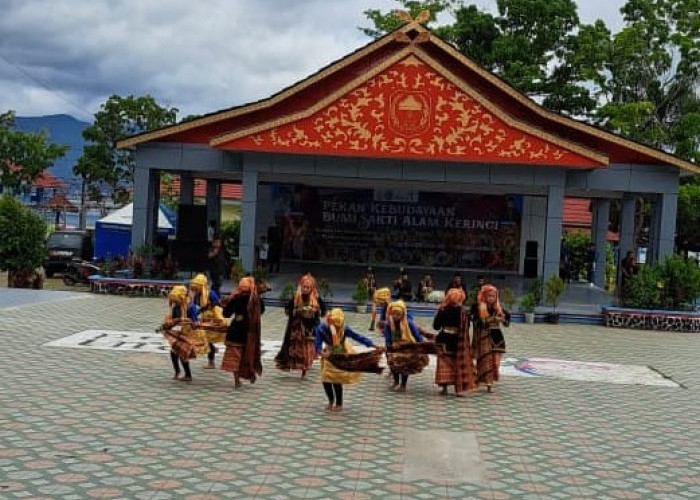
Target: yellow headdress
[
  {"x": 178, "y": 297},
  {"x": 382, "y": 296},
  {"x": 406, "y": 335},
  {"x": 336, "y": 323},
  {"x": 199, "y": 285}
]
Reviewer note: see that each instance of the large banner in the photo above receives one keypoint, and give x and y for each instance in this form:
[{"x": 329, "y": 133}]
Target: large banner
[{"x": 399, "y": 227}]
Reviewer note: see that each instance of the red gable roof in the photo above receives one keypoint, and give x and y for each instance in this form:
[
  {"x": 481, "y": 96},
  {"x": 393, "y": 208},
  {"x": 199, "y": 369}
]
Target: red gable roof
[
  {"x": 48, "y": 181},
  {"x": 492, "y": 96}
]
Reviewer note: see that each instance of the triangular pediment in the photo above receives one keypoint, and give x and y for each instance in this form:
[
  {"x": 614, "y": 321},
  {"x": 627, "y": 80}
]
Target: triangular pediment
[
  {"x": 511, "y": 128},
  {"x": 410, "y": 108}
]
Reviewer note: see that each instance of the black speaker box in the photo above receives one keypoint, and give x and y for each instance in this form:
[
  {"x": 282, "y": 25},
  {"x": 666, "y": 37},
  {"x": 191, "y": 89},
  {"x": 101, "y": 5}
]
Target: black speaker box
[
  {"x": 192, "y": 222},
  {"x": 190, "y": 255},
  {"x": 530, "y": 267},
  {"x": 531, "y": 249}
]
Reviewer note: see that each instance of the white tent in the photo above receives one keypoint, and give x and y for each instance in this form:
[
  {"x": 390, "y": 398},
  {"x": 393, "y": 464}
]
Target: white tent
[{"x": 125, "y": 216}]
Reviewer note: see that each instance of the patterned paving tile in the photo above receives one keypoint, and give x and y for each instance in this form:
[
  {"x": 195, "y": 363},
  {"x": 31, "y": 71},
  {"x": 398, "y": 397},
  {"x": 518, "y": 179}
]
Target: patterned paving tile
[{"x": 104, "y": 424}]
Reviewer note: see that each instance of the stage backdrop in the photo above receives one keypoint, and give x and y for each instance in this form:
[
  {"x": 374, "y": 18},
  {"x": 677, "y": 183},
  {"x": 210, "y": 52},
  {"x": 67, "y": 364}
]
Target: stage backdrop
[{"x": 399, "y": 227}]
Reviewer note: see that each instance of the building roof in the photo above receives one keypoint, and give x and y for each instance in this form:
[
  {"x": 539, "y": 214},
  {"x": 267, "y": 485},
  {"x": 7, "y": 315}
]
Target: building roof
[
  {"x": 229, "y": 191},
  {"x": 304, "y": 100},
  {"x": 577, "y": 216}
]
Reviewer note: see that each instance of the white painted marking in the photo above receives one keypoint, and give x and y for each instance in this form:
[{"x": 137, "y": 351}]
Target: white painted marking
[{"x": 152, "y": 342}]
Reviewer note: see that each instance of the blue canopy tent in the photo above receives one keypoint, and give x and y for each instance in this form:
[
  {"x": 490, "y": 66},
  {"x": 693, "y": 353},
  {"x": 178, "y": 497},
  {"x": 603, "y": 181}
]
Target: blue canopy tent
[{"x": 113, "y": 232}]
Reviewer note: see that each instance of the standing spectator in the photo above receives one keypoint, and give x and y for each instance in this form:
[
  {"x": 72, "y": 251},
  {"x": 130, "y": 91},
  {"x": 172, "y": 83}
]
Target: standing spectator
[
  {"x": 403, "y": 288},
  {"x": 217, "y": 265},
  {"x": 564, "y": 261},
  {"x": 457, "y": 282},
  {"x": 275, "y": 255},
  {"x": 263, "y": 252},
  {"x": 592, "y": 257},
  {"x": 628, "y": 268},
  {"x": 211, "y": 231}
]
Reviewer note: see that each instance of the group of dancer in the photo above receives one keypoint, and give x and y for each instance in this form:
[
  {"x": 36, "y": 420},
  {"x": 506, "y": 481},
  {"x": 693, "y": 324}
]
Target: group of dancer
[{"x": 197, "y": 319}]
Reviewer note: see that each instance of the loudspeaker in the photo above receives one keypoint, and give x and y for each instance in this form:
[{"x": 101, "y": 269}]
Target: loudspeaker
[
  {"x": 530, "y": 267},
  {"x": 190, "y": 255},
  {"x": 531, "y": 249},
  {"x": 192, "y": 222}
]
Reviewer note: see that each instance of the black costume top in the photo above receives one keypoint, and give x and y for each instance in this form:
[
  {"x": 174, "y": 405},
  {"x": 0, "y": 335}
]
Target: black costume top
[{"x": 237, "y": 309}]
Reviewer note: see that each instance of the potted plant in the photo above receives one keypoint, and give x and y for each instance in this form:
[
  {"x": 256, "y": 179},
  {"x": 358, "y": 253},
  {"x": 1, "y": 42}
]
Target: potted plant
[
  {"x": 287, "y": 292},
  {"x": 324, "y": 288},
  {"x": 553, "y": 290},
  {"x": 360, "y": 296},
  {"x": 527, "y": 306},
  {"x": 508, "y": 297},
  {"x": 237, "y": 270}
]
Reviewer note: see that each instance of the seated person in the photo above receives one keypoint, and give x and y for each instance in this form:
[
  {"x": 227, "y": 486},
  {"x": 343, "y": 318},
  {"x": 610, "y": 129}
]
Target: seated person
[{"x": 425, "y": 288}]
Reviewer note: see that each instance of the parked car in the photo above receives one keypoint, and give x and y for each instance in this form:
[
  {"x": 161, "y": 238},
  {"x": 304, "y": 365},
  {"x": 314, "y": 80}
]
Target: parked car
[{"x": 64, "y": 246}]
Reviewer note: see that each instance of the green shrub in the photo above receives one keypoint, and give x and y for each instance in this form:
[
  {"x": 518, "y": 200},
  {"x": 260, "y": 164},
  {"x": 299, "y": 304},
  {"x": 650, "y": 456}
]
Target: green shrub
[
  {"x": 22, "y": 242},
  {"x": 527, "y": 303},
  {"x": 508, "y": 297},
  {"x": 287, "y": 291},
  {"x": 535, "y": 289},
  {"x": 361, "y": 294},
  {"x": 671, "y": 284},
  {"x": 553, "y": 290}
]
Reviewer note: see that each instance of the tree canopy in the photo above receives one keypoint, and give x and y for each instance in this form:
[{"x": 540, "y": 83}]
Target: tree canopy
[
  {"x": 104, "y": 168},
  {"x": 24, "y": 156}
]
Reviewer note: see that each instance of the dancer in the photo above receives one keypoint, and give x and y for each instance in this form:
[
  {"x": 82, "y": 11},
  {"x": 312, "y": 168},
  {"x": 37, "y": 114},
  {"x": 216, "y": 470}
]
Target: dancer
[
  {"x": 455, "y": 367},
  {"x": 305, "y": 310},
  {"x": 489, "y": 343},
  {"x": 371, "y": 282},
  {"x": 243, "y": 347},
  {"x": 209, "y": 309},
  {"x": 182, "y": 344},
  {"x": 334, "y": 333},
  {"x": 399, "y": 330},
  {"x": 380, "y": 301}
]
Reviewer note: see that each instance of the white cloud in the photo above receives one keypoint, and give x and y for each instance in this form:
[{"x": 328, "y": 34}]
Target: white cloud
[{"x": 70, "y": 55}]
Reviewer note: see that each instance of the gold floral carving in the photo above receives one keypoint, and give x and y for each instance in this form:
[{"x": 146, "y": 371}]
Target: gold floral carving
[{"x": 410, "y": 110}]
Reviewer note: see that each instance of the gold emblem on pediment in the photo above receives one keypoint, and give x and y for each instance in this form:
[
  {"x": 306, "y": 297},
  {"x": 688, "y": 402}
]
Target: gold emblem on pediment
[{"x": 409, "y": 112}]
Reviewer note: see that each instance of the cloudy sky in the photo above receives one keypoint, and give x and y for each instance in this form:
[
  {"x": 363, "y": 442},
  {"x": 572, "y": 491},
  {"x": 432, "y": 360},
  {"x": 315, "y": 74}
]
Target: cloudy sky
[{"x": 68, "y": 56}]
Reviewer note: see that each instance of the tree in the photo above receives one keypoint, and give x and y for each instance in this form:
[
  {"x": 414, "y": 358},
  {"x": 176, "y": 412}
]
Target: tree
[
  {"x": 651, "y": 76},
  {"x": 103, "y": 167},
  {"x": 24, "y": 156},
  {"x": 688, "y": 217},
  {"x": 22, "y": 243}
]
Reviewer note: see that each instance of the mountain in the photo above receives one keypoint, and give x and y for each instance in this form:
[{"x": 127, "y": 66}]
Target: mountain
[{"x": 62, "y": 129}]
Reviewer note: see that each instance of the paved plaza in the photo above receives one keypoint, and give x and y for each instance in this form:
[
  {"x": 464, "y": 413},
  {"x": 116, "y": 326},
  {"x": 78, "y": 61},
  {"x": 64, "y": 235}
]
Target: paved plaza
[{"x": 107, "y": 423}]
